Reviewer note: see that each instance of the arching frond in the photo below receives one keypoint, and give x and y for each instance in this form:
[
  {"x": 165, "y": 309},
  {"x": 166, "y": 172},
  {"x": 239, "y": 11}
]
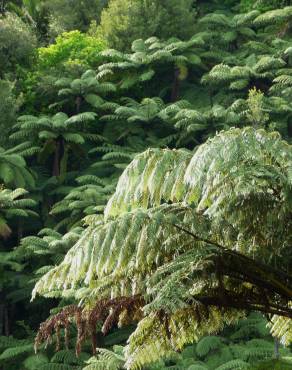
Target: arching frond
[{"x": 174, "y": 238}]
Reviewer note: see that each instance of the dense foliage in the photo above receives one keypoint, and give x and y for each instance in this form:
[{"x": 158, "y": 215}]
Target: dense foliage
[
  {"x": 145, "y": 184},
  {"x": 236, "y": 348},
  {"x": 125, "y": 21},
  {"x": 17, "y": 43}
]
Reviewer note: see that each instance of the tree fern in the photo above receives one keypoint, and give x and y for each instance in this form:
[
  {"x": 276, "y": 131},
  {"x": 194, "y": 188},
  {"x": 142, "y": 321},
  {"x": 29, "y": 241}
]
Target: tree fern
[
  {"x": 234, "y": 364},
  {"x": 274, "y": 17},
  {"x": 86, "y": 89},
  {"x": 13, "y": 170},
  {"x": 15, "y": 351},
  {"x": 109, "y": 360},
  {"x": 49, "y": 243},
  {"x": 35, "y": 361},
  {"x": 13, "y": 205},
  {"x": 138, "y": 66},
  {"x": 163, "y": 242},
  {"x": 192, "y": 239},
  {"x": 208, "y": 344},
  {"x": 55, "y": 136}
]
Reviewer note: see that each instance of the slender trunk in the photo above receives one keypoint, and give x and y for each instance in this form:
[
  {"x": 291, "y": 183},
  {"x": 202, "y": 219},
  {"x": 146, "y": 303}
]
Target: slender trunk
[
  {"x": 56, "y": 164},
  {"x": 175, "y": 86},
  {"x": 276, "y": 348},
  {"x": 59, "y": 151},
  {"x": 93, "y": 340},
  {"x": 2, "y": 6},
  {"x": 46, "y": 206},
  {"x": 78, "y": 102},
  {"x": 19, "y": 231},
  {"x": 2, "y": 306},
  {"x": 289, "y": 127},
  {"x": 6, "y": 322},
  {"x": 211, "y": 92}
]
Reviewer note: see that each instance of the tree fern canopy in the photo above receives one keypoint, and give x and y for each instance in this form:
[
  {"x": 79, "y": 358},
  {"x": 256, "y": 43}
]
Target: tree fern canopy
[
  {"x": 13, "y": 170},
  {"x": 174, "y": 242},
  {"x": 13, "y": 205}
]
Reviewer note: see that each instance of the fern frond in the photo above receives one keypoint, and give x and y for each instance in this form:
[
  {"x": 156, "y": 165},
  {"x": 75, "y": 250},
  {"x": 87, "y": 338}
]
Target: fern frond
[{"x": 234, "y": 364}]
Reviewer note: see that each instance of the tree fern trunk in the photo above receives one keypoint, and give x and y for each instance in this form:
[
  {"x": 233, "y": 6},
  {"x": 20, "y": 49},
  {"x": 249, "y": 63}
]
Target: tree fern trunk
[
  {"x": 59, "y": 151},
  {"x": 175, "y": 86},
  {"x": 6, "y": 322},
  {"x": 19, "y": 231},
  {"x": 78, "y": 102},
  {"x": 289, "y": 127},
  {"x": 1, "y": 319},
  {"x": 276, "y": 348},
  {"x": 2, "y": 6}
]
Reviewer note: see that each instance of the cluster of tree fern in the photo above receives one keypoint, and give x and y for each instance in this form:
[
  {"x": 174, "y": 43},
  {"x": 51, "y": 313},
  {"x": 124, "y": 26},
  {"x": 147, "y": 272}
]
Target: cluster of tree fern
[
  {"x": 237, "y": 347},
  {"x": 145, "y": 184}
]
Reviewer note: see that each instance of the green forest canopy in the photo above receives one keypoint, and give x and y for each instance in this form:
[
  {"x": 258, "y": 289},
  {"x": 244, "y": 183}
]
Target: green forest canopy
[{"x": 145, "y": 177}]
